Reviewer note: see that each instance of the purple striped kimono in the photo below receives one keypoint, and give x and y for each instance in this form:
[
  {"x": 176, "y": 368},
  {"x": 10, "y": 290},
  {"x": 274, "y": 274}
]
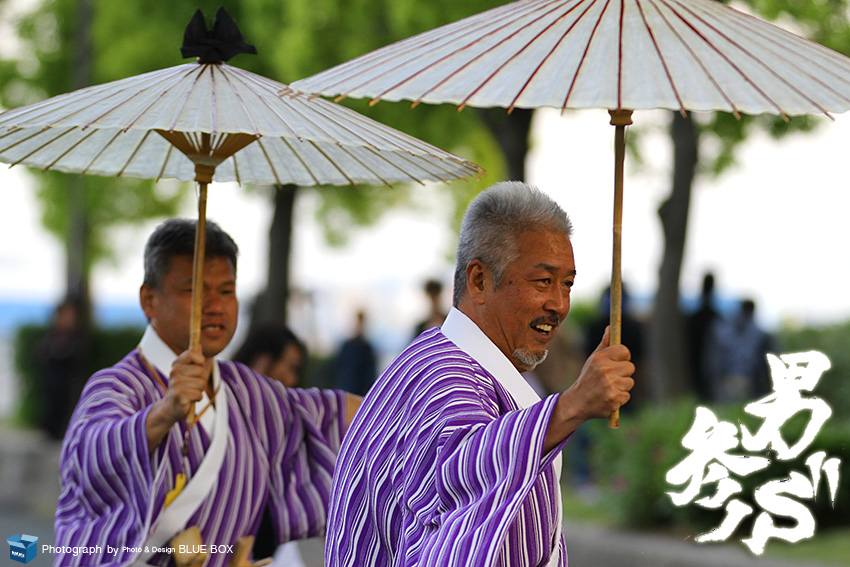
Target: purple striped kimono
[
  {"x": 440, "y": 468},
  {"x": 281, "y": 449}
]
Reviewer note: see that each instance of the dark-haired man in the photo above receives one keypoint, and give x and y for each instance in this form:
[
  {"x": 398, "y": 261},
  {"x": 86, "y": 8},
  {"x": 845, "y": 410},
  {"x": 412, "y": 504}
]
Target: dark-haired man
[{"x": 134, "y": 473}]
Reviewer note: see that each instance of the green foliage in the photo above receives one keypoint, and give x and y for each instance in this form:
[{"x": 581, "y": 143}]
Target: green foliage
[
  {"x": 631, "y": 464},
  {"x": 109, "y": 345},
  {"x": 832, "y": 340}
]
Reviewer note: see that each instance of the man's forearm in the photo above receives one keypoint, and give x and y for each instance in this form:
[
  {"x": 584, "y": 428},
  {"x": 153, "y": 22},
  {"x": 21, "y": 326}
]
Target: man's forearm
[
  {"x": 160, "y": 420},
  {"x": 563, "y": 422}
]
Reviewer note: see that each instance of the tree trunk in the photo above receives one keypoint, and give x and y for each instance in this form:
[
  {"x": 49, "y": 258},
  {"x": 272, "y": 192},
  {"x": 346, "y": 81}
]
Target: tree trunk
[
  {"x": 512, "y": 134},
  {"x": 271, "y": 304},
  {"x": 78, "y": 266},
  {"x": 668, "y": 342}
]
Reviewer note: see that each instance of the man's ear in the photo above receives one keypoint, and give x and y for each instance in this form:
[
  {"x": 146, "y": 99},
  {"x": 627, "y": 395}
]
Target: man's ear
[
  {"x": 477, "y": 276},
  {"x": 148, "y": 300}
]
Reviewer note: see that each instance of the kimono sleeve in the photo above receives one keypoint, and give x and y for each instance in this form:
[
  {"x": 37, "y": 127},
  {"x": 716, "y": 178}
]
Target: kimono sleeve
[
  {"x": 486, "y": 465},
  {"x": 106, "y": 470},
  {"x": 303, "y": 474}
]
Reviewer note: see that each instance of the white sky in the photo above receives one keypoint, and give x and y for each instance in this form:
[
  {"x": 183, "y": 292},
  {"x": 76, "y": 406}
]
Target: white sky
[{"x": 772, "y": 229}]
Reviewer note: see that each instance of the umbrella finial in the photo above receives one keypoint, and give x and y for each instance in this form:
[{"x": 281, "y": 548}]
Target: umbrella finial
[{"x": 214, "y": 46}]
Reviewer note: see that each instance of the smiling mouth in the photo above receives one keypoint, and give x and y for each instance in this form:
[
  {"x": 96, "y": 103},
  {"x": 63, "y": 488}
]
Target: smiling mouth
[
  {"x": 212, "y": 328},
  {"x": 546, "y": 327}
]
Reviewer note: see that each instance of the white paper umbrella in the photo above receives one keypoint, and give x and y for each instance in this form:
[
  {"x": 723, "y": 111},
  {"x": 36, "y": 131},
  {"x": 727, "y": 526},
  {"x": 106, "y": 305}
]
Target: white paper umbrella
[
  {"x": 631, "y": 54},
  {"x": 621, "y": 55},
  {"x": 209, "y": 121},
  {"x": 170, "y": 122}
]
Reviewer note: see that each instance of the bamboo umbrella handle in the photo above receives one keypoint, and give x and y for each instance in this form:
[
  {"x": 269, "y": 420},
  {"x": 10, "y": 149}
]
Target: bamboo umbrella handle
[
  {"x": 198, "y": 279},
  {"x": 619, "y": 119}
]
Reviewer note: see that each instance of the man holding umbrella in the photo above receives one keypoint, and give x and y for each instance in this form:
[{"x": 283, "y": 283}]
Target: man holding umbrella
[
  {"x": 135, "y": 473},
  {"x": 453, "y": 459}
]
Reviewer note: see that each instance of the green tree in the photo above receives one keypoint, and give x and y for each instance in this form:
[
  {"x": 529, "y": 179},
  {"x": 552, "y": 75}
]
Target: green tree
[
  {"x": 825, "y": 22},
  {"x": 58, "y": 51}
]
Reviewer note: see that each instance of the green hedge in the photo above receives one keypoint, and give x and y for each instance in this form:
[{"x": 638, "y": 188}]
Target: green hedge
[
  {"x": 833, "y": 341},
  {"x": 109, "y": 345},
  {"x": 631, "y": 465}
]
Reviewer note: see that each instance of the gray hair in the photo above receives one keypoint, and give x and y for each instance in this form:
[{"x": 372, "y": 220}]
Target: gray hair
[
  {"x": 176, "y": 237},
  {"x": 493, "y": 223}
]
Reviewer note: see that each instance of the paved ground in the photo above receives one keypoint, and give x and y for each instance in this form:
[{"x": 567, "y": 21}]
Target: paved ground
[{"x": 29, "y": 491}]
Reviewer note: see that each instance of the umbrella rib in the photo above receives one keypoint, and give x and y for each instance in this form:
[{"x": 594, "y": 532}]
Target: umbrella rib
[
  {"x": 177, "y": 73},
  {"x": 523, "y": 48},
  {"x": 67, "y": 100},
  {"x": 412, "y": 158},
  {"x": 69, "y": 150},
  {"x": 41, "y": 147},
  {"x": 13, "y": 131},
  {"x": 498, "y": 25},
  {"x": 533, "y": 74},
  {"x": 171, "y": 148},
  {"x": 499, "y": 28},
  {"x": 770, "y": 39},
  {"x": 271, "y": 163},
  {"x": 584, "y": 54},
  {"x": 388, "y": 136},
  {"x": 242, "y": 102},
  {"x": 696, "y": 57},
  {"x": 660, "y": 54},
  {"x": 369, "y": 61},
  {"x": 269, "y": 106},
  {"x": 188, "y": 94},
  {"x": 213, "y": 105},
  {"x": 333, "y": 163},
  {"x": 102, "y": 149},
  {"x": 236, "y": 169},
  {"x": 333, "y": 112},
  {"x": 133, "y": 154},
  {"x": 737, "y": 68},
  {"x": 620, "y": 57},
  {"x": 132, "y": 95},
  {"x": 395, "y": 165}
]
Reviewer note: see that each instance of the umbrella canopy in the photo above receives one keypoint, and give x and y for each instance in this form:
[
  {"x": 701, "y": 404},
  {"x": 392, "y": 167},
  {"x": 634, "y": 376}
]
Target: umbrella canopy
[
  {"x": 627, "y": 55},
  {"x": 165, "y": 123},
  {"x": 633, "y": 54}
]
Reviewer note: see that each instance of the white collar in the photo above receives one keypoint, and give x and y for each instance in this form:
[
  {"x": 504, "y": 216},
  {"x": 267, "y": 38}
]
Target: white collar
[
  {"x": 161, "y": 357},
  {"x": 469, "y": 337}
]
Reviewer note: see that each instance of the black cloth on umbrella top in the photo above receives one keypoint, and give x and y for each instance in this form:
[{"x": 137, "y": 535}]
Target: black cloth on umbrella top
[{"x": 221, "y": 43}]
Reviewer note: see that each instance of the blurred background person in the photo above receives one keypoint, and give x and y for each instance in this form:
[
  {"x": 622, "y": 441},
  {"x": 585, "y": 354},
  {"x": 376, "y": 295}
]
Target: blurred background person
[
  {"x": 735, "y": 357},
  {"x": 436, "y": 314},
  {"x": 62, "y": 357},
  {"x": 356, "y": 366},
  {"x": 274, "y": 351},
  {"x": 699, "y": 326}
]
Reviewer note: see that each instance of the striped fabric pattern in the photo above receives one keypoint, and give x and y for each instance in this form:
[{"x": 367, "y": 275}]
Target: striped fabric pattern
[
  {"x": 441, "y": 468},
  {"x": 282, "y": 444}
]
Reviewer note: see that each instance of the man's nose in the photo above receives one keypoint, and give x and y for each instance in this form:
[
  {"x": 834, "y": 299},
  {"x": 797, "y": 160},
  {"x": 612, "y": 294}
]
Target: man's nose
[
  {"x": 212, "y": 303},
  {"x": 558, "y": 301}
]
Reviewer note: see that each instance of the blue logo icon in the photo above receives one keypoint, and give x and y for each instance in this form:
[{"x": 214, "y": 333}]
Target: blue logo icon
[{"x": 22, "y": 548}]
